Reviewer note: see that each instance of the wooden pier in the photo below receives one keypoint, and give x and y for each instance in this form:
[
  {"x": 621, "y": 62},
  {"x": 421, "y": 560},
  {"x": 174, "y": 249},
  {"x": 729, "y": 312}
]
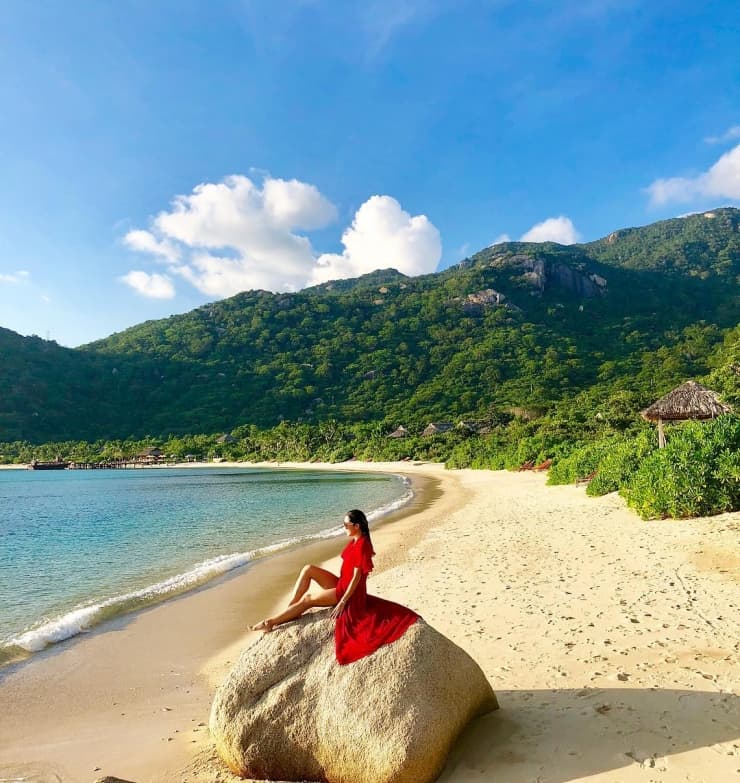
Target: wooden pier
[{"x": 118, "y": 464}]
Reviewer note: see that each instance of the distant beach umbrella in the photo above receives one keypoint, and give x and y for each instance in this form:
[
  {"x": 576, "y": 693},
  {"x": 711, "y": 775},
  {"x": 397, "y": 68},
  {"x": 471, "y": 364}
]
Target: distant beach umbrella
[{"x": 691, "y": 400}]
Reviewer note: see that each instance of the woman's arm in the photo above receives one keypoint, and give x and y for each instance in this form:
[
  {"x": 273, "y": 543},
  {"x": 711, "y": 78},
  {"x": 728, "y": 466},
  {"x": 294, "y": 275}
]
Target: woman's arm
[{"x": 344, "y": 600}]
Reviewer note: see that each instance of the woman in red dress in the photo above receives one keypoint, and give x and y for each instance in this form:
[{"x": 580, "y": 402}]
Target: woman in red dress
[{"x": 363, "y": 622}]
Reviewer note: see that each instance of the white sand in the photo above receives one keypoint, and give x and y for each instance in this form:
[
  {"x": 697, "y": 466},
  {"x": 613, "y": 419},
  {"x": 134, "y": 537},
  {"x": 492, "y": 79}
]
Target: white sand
[{"x": 612, "y": 644}]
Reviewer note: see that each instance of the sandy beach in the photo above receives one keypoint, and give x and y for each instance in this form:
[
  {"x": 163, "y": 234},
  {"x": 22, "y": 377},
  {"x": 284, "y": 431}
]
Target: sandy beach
[{"x": 612, "y": 643}]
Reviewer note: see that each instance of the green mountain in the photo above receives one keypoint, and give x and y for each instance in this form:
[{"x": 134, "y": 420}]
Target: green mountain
[{"x": 517, "y": 325}]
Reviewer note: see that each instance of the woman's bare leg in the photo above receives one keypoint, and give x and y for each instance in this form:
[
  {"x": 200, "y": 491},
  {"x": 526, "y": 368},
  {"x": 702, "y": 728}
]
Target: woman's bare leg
[
  {"x": 307, "y": 601},
  {"x": 325, "y": 579}
]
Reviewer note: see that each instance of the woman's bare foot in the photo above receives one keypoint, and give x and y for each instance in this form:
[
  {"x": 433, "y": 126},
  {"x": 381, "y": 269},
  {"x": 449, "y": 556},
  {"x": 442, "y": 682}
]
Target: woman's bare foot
[{"x": 262, "y": 625}]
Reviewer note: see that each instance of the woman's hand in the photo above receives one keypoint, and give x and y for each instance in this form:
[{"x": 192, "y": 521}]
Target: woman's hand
[{"x": 337, "y": 610}]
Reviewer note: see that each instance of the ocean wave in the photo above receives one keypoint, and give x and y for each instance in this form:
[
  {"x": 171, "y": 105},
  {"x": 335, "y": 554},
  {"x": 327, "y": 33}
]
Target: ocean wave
[{"x": 84, "y": 618}]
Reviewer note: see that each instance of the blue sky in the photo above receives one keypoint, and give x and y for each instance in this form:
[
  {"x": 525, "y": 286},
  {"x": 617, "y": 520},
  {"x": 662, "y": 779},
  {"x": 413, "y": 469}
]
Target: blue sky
[{"x": 159, "y": 155}]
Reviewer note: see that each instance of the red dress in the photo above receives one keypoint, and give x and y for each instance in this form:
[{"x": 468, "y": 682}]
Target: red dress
[{"x": 367, "y": 622}]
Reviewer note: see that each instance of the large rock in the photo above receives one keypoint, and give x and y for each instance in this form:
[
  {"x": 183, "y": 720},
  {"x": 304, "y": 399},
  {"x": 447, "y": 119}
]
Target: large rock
[{"x": 289, "y": 711}]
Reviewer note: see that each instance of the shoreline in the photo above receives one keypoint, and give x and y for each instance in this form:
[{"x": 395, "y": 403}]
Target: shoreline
[
  {"x": 140, "y": 684},
  {"x": 198, "y": 573},
  {"x": 612, "y": 644}
]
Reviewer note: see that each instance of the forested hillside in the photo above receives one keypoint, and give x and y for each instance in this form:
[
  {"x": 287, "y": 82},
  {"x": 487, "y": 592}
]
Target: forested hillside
[{"x": 516, "y": 326}]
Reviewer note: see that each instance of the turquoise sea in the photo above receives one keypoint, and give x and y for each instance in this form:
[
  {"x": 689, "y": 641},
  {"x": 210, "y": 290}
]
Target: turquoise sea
[{"x": 78, "y": 547}]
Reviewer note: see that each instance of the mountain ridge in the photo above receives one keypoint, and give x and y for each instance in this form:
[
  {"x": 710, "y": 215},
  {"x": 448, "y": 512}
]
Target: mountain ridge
[{"x": 521, "y": 324}]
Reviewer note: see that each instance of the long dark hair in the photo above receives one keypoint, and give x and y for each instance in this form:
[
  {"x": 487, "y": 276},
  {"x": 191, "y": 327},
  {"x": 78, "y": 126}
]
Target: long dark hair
[{"x": 357, "y": 517}]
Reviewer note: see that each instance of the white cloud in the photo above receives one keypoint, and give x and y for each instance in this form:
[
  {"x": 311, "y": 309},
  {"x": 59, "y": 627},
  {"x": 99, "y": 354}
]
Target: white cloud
[
  {"x": 237, "y": 235},
  {"x": 255, "y": 226},
  {"x": 558, "y": 229},
  {"x": 729, "y": 135},
  {"x": 221, "y": 276},
  {"x": 15, "y": 277},
  {"x": 152, "y": 286},
  {"x": 292, "y": 204},
  {"x": 500, "y": 239},
  {"x": 146, "y": 242},
  {"x": 383, "y": 235},
  {"x": 721, "y": 181},
  {"x": 237, "y": 214}
]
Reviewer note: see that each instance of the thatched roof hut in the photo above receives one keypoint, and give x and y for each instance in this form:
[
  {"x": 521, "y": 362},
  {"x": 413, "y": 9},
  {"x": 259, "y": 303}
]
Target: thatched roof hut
[
  {"x": 400, "y": 432},
  {"x": 226, "y": 438},
  {"x": 150, "y": 455},
  {"x": 436, "y": 428},
  {"x": 691, "y": 400}
]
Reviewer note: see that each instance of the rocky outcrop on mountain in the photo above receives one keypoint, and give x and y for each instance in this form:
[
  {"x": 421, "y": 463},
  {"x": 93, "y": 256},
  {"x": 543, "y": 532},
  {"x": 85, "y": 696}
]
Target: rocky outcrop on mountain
[
  {"x": 542, "y": 274},
  {"x": 598, "y": 279},
  {"x": 579, "y": 283},
  {"x": 480, "y": 300},
  {"x": 289, "y": 711}
]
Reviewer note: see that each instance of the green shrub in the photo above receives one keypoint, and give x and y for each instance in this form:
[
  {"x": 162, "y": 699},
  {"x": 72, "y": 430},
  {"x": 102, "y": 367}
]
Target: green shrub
[
  {"x": 463, "y": 454},
  {"x": 697, "y": 473},
  {"x": 621, "y": 462},
  {"x": 581, "y": 461}
]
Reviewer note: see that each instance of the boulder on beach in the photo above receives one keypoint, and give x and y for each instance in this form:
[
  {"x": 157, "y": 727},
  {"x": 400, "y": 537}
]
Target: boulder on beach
[{"x": 288, "y": 711}]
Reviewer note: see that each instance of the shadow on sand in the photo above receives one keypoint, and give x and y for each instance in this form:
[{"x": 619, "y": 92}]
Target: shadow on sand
[{"x": 564, "y": 735}]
